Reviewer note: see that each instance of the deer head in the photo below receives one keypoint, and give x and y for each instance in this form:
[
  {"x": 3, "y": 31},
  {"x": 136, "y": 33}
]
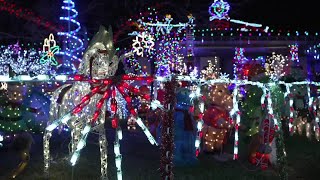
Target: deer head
[{"x": 99, "y": 60}]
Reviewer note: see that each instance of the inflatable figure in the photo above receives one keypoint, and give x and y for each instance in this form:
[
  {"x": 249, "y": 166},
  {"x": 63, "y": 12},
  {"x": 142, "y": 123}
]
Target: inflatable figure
[{"x": 185, "y": 130}]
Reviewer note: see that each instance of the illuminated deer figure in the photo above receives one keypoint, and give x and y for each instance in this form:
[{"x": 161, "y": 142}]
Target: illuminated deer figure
[{"x": 82, "y": 105}]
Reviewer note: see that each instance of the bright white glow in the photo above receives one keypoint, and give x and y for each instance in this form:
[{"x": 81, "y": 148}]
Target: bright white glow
[
  {"x": 201, "y": 106},
  {"x": 53, "y": 125},
  {"x": 3, "y": 86},
  {"x": 139, "y": 122},
  {"x": 236, "y": 136},
  {"x": 119, "y": 131},
  {"x": 199, "y": 125},
  {"x": 81, "y": 144},
  {"x": 1, "y": 138},
  {"x": 146, "y": 42},
  {"x": 146, "y": 132},
  {"x": 61, "y": 77},
  {"x": 43, "y": 77},
  {"x": 66, "y": 118},
  {"x": 197, "y": 143},
  {"x": 161, "y": 79},
  {"x": 156, "y": 104},
  {"x": 235, "y": 150},
  {"x": 25, "y": 78},
  {"x": 245, "y": 23},
  {"x": 119, "y": 175},
  {"x": 86, "y": 130},
  {"x": 116, "y": 149},
  {"x": 118, "y": 161},
  {"x": 74, "y": 158},
  {"x": 4, "y": 78}
]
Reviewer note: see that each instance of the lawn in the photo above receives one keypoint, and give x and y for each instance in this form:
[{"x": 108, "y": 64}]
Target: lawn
[{"x": 141, "y": 161}]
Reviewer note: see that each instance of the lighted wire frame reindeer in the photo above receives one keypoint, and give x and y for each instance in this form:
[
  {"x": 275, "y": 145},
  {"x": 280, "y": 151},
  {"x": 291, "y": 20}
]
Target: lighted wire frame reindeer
[{"x": 82, "y": 105}]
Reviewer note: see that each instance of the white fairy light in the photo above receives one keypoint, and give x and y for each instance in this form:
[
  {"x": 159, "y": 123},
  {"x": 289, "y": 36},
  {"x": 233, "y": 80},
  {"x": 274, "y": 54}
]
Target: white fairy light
[{"x": 146, "y": 131}]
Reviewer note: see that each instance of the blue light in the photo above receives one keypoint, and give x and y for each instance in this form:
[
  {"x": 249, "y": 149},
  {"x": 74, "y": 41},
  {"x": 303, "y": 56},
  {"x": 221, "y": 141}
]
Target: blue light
[{"x": 73, "y": 44}]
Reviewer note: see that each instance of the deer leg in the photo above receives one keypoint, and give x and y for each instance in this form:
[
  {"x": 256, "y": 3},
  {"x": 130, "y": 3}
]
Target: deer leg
[
  {"x": 46, "y": 151},
  {"x": 103, "y": 153}
]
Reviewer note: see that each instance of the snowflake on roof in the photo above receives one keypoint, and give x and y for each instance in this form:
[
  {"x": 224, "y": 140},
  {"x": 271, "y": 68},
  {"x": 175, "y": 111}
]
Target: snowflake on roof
[
  {"x": 143, "y": 41},
  {"x": 219, "y": 10}
]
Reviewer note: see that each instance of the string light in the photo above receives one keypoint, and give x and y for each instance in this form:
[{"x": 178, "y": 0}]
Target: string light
[
  {"x": 27, "y": 14},
  {"x": 72, "y": 44},
  {"x": 22, "y": 62},
  {"x": 294, "y": 53}
]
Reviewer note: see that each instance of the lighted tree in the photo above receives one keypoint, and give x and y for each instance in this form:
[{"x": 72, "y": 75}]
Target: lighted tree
[
  {"x": 72, "y": 45},
  {"x": 22, "y": 61}
]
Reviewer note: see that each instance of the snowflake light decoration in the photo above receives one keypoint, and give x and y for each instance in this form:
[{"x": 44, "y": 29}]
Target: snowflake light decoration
[
  {"x": 219, "y": 10},
  {"x": 141, "y": 42}
]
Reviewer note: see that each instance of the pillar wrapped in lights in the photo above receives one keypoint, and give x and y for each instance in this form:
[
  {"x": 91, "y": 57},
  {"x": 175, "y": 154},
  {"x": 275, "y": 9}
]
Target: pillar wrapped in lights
[{"x": 167, "y": 134}]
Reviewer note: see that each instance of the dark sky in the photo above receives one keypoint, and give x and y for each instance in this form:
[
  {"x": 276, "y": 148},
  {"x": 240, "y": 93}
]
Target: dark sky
[{"x": 281, "y": 14}]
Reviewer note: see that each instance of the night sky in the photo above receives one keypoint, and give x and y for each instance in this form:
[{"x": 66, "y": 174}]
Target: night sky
[{"x": 294, "y": 15}]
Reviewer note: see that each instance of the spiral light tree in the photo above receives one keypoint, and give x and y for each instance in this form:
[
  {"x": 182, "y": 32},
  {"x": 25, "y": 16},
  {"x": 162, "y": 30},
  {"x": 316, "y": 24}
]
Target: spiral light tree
[{"x": 72, "y": 45}]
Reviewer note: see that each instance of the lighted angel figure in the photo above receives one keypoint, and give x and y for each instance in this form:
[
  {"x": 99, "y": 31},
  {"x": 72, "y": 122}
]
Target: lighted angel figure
[{"x": 82, "y": 105}]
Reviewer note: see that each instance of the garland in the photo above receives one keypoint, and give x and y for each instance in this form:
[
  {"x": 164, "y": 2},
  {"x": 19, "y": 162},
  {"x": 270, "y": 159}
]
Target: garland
[{"x": 167, "y": 134}]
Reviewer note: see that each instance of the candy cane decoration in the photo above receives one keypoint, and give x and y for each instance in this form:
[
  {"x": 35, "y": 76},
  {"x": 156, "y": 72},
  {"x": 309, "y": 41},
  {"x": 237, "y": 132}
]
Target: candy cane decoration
[
  {"x": 291, "y": 119},
  {"x": 270, "y": 110},
  {"x": 200, "y": 120},
  {"x": 312, "y": 104},
  {"x": 235, "y": 111}
]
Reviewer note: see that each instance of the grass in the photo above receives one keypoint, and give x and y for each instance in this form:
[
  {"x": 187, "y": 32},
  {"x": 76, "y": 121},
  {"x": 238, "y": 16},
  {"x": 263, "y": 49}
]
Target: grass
[{"x": 141, "y": 161}]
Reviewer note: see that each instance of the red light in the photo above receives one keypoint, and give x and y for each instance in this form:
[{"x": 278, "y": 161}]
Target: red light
[
  {"x": 84, "y": 99},
  {"x": 107, "y": 82},
  {"x": 96, "y": 89},
  {"x": 78, "y": 77},
  {"x": 128, "y": 99},
  {"x": 114, "y": 123},
  {"x": 100, "y": 103},
  {"x": 133, "y": 112},
  {"x": 95, "y": 115},
  {"x": 146, "y": 96},
  {"x": 77, "y": 110},
  {"x": 105, "y": 95},
  {"x": 197, "y": 152}
]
